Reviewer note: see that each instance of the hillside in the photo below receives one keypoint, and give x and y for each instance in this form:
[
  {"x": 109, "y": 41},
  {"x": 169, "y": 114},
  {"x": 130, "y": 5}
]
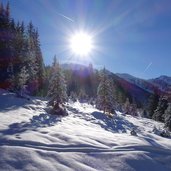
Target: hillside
[
  {"x": 161, "y": 84},
  {"x": 86, "y": 139}
]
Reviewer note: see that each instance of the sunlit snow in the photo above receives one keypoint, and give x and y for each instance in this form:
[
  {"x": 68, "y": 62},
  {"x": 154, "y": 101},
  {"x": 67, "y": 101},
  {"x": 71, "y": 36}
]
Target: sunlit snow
[{"x": 86, "y": 139}]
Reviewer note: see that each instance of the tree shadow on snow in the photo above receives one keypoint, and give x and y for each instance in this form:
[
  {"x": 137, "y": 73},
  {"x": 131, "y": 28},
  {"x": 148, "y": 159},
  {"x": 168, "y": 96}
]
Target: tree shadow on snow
[
  {"x": 9, "y": 101},
  {"x": 153, "y": 142},
  {"x": 115, "y": 124},
  {"x": 40, "y": 121}
]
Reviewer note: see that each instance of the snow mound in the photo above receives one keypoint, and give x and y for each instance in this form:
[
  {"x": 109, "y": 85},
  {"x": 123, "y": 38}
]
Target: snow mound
[{"x": 86, "y": 139}]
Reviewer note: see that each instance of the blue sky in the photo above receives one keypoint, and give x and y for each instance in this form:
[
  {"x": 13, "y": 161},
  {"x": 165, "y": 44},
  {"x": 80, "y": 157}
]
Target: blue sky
[{"x": 131, "y": 36}]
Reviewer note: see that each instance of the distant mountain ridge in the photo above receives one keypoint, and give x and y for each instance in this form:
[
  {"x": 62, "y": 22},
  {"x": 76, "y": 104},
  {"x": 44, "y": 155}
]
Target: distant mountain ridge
[
  {"x": 161, "y": 84},
  {"x": 144, "y": 84},
  {"x": 137, "y": 89}
]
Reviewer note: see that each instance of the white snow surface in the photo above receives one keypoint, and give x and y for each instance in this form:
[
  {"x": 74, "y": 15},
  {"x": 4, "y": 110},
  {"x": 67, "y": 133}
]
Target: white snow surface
[{"x": 85, "y": 140}]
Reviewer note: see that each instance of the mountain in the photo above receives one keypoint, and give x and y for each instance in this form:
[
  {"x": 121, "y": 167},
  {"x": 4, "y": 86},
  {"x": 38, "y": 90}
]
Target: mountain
[
  {"x": 163, "y": 83},
  {"x": 86, "y": 139},
  {"x": 135, "y": 93},
  {"x": 144, "y": 84}
]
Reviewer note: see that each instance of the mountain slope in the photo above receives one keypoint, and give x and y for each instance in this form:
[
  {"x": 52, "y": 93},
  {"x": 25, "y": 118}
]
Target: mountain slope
[
  {"x": 144, "y": 84},
  {"x": 162, "y": 82},
  {"x": 31, "y": 139},
  {"x": 160, "y": 85},
  {"x": 137, "y": 93}
]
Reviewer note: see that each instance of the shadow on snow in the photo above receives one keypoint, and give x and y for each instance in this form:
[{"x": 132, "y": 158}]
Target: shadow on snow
[
  {"x": 9, "y": 101},
  {"x": 114, "y": 124},
  {"x": 43, "y": 120}
]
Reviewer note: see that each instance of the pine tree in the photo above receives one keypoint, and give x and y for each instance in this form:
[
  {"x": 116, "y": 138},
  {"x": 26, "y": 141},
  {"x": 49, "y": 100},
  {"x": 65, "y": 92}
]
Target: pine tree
[
  {"x": 127, "y": 106},
  {"x": 55, "y": 61},
  {"x": 159, "y": 112},
  {"x": 111, "y": 96},
  {"x": 133, "y": 109},
  {"x": 22, "y": 79},
  {"x": 73, "y": 96},
  {"x": 57, "y": 87},
  {"x": 5, "y": 46},
  {"x": 34, "y": 60},
  {"x": 167, "y": 117},
  {"x": 105, "y": 99},
  {"x": 152, "y": 104},
  {"x": 82, "y": 95},
  {"x": 39, "y": 62}
]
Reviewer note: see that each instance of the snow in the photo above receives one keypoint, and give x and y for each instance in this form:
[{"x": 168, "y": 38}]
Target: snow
[{"x": 86, "y": 139}]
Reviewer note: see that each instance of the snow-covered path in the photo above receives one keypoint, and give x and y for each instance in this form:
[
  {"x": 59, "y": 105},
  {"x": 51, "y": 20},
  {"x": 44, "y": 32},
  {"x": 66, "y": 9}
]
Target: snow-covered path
[{"x": 85, "y": 140}]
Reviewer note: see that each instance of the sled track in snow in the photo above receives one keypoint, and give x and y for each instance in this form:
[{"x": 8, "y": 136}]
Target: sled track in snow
[{"x": 81, "y": 148}]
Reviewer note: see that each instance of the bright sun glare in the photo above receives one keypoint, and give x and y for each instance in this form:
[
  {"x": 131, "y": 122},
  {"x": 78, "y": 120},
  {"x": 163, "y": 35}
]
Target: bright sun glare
[{"x": 81, "y": 43}]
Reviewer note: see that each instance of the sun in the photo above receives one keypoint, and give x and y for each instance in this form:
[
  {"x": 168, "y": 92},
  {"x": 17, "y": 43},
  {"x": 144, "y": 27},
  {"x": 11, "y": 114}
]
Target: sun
[{"x": 81, "y": 43}]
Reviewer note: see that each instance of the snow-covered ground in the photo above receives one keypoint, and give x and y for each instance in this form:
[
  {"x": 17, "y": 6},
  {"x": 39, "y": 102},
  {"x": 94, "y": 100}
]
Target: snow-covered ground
[{"x": 85, "y": 140}]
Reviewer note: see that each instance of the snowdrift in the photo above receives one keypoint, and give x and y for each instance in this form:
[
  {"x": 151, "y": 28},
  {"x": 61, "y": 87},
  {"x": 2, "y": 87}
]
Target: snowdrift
[{"x": 85, "y": 140}]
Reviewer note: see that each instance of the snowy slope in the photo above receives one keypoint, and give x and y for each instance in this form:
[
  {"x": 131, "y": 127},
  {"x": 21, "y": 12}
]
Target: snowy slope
[{"x": 85, "y": 140}]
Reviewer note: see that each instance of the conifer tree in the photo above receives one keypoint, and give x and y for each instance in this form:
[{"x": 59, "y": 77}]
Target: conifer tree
[
  {"x": 159, "y": 112},
  {"x": 127, "y": 106},
  {"x": 105, "y": 99},
  {"x": 57, "y": 86},
  {"x": 34, "y": 60},
  {"x": 152, "y": 104},
  {"x": 133, "y": 109},
  {"x": 167, "y": 117},
  {"x": 31, "y": 59},
  {"x": 82, "y": 95},
  {"x": 73, "y": 96},
  {"x": 39, "y": 61},
  {"x": 5, "y": 46},
  {"x": 22, "y": 79}
]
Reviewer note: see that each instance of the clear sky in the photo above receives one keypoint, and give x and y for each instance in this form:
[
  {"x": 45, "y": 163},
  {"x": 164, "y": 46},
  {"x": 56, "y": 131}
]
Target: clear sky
[{"x": 130, "y": 36}]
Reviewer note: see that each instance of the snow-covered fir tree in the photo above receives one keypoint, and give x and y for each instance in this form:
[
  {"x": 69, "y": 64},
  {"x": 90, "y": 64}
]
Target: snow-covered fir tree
[
  {"x": 73, "y": 96},
  {"x": 133, "y": 109},
  {"x": 105, "y": 95},
  {"x": 152, "y": 104},
  {"x": 126, "y": 107},
  {"x": 159, "y": 112},
  {"x": 82, "y": 95},
  {"x": 167, "y": 117},
  {"x": 22, "y": 79},
  {"x": 57, "y": 86}
]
